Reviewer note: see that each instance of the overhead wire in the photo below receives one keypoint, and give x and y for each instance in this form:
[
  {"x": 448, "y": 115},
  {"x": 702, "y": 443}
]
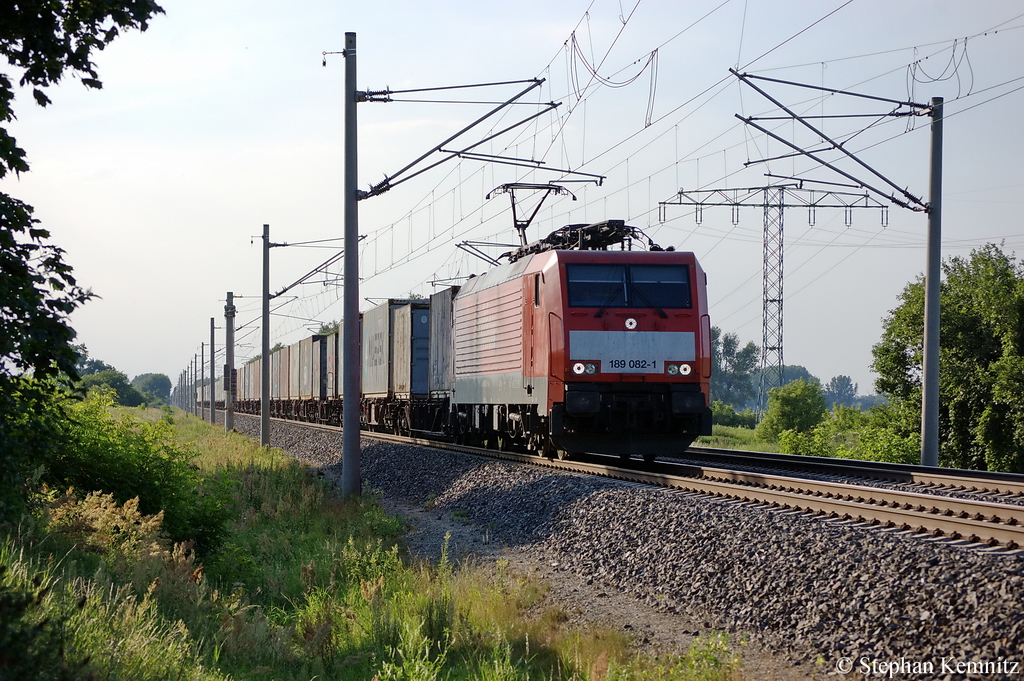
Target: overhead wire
[
  {"x": 556, "y": 134},
  {"x": 893, "y": 50},
  {"x": 557, "y": 127}
]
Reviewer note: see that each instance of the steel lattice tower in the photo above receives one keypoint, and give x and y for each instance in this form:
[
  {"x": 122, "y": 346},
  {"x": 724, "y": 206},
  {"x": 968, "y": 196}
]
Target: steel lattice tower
[
  {"x": 772, "y": 200},
  {"x": 771, "y": 325}
]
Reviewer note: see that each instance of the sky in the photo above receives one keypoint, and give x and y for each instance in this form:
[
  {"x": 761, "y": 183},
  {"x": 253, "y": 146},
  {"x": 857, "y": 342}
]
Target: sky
[{"x": 226, "y": 116}]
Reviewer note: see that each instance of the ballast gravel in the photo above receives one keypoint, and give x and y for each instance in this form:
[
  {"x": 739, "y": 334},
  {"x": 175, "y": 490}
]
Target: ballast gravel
[{"x": 823, "y": 593}]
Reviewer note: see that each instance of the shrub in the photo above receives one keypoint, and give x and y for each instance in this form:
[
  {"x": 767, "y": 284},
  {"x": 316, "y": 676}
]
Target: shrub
[
  {"x": 30, "y": 414},
  {"x": 882, "y": 444},
  {"x": 723, "y": 414},
  {"x": 798, "y": 406},
  {"x": 849, "y": 433},
  {"x": 128, "y": 458},
  {"x": 805, "y": 444}
]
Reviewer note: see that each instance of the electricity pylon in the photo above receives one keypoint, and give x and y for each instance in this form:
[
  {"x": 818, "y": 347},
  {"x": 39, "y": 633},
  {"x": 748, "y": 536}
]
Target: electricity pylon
[{"x": 774, "y": 199}]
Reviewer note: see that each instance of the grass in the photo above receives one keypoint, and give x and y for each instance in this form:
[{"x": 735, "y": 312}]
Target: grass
[
  {"x": 301, "y": 585},
  {"x": 730, "y": 437}
]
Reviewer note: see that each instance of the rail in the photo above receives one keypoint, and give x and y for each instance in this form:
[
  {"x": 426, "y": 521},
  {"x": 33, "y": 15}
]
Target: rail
[{"x": 978, "y": 521}]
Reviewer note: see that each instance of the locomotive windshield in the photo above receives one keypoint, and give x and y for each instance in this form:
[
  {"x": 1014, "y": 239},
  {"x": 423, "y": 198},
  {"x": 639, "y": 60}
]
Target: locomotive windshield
[{"x": 633, "y": 285}]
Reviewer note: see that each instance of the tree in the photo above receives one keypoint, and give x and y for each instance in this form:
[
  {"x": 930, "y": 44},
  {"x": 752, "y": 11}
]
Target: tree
[
  {"x": 327, "y": 328},
  {"x": 981, "y": 385},
  {"x": 795, "y": 372},
  {"x": 725, "y": 415},
  {"x": 85, "y": 365},
  {"x": 790, "y": 373},
  {"x": 798, "y": 406},
  {"x": 277, "y": 346},
  {"x": 732, "y": 367},
  {"x": 124, "y": 393},
  {"x": 840, "y": 390},
  {"x": 41, "y": 40},
  {"x": 153, "y": 386},
  {"x": 37, "y": 293}
]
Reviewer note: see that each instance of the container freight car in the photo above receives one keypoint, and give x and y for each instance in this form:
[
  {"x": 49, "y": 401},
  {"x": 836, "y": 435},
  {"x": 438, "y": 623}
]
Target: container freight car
[
  {"x": 568, "y": 347},
  {"x": 395, "y": 361}
]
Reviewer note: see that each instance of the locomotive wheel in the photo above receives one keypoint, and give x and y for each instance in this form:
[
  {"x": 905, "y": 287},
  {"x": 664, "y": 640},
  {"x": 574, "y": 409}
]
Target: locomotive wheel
[{"x": 563, "y": 454}]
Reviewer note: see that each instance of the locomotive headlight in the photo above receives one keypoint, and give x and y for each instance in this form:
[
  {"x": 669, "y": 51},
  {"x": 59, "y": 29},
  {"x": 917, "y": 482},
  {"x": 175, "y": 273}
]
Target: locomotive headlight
[
  {"x": 677, "y": 369},
  {"x": 580, "y": 368}
]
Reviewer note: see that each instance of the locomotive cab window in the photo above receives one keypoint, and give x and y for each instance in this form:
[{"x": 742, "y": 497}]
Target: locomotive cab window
[
  {"x": 660, "y": 286},
  {"x": 631, "y": 286},
  {"x": 596, "y": 285}
]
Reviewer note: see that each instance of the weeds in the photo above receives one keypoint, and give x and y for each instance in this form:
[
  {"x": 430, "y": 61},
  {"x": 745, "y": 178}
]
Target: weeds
[
  {"x": 133, "y": 459},
  {"x": 735, "y": 437},
  {"x": 298, "y": 585}
]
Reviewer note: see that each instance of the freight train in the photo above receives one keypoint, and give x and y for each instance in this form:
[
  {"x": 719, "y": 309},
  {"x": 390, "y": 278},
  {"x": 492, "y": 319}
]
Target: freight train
[{"x": 568, "y": 346}]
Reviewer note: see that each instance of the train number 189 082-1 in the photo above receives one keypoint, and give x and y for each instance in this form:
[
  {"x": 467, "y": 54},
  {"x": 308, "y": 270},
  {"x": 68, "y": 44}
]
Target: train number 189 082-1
[{"x": 631, "y": 364}]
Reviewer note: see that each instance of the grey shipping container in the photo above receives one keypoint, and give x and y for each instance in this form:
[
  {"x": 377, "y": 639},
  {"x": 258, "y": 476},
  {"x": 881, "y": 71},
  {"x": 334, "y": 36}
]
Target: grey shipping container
[
  {"x": 441, "y": 378},
  {"x": 318, "y": 368},
  {"x": 255, "y": 376},
  {"x": 305, "y": 362},
  {"x": 285, "y": 381},
  {"x": 294, "y": 354},
  {"x": 338, "y": 364},
  {"x": 376, "y": 349},
  {"x": 410, "y": 349},
  {"x": 245, "y": 381},
  {"x": 332, "y": 372},
  {"x": 249, "y": 372},
  {"x": 241, "y": 389},
  {"x": 275, "y": 375}
]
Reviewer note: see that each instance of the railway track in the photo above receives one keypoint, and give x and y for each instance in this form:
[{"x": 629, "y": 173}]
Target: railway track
[
  {"x": 998, "y": 486},
  {"x": 819, "y": 588},
  {"x": 994, "y": 521},
  {"x": 979, "y": 521}
]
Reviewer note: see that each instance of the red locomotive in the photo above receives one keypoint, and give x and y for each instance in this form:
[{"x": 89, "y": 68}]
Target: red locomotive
[{"x": 567, "y": 347}]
